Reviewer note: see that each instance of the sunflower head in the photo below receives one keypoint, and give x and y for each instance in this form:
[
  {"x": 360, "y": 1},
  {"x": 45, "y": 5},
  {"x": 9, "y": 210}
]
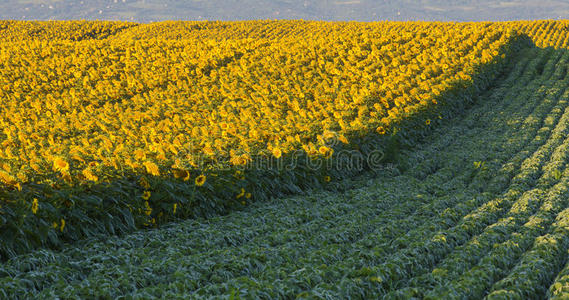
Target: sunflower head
[
  {"x": 181, "y": 174},
  {"x": 152, "y": 168},
  {"x": 59, "y": 164},
  {"x": 326, "y": 151},
  {"x": 200, "y": 180},
  {"x": 89, "y": 175},
  {"x": 139, "y": 154},
  {"x": 277, "y": 153},
  {"x": 146, "y": 195},
  {"x": 35, "y": 206}
]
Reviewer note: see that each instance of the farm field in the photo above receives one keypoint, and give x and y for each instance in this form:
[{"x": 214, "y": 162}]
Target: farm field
[
  {"x": 110, "y": 126},
  {"x": 124, "y": 174},
  {"x": 483, "y": 212}
]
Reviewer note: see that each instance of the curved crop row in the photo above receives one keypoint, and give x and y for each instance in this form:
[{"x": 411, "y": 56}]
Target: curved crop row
[
  {"x": 478, "y": 212},
  {"x": 121, "y": 125},
  {"x": 122, "y": 133}
]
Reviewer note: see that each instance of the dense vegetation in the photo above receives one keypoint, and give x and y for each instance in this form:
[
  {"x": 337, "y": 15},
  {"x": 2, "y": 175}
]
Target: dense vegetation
[
  {"x": 480, "y": 211},
  {"x": 112, "y": 127},
  {"x": 108, "y": 127}
]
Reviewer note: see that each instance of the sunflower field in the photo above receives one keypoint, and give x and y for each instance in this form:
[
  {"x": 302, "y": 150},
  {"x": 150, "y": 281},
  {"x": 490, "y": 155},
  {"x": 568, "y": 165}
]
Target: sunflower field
[{"x": 110, "y": 126}]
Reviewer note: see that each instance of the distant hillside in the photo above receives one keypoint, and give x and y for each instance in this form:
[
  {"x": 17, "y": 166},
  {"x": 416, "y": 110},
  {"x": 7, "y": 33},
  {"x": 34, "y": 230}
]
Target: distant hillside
[{"x": 361, "y": 10}]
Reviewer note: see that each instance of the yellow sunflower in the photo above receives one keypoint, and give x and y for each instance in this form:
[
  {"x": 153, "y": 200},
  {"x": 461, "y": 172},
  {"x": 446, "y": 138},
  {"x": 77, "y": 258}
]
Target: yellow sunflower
[
  {"x": 200, "y": 180},
  {"x": 35, "y": 206},
  {"x": 277, "y": 152},
  {"x": 146, "y": 195},
  {"x": 59, "y": 164}
]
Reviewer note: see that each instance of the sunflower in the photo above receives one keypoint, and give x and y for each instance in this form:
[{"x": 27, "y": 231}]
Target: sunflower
[
  {"x": 35, "y": 206},
  {"x": 183, "y": 174},
  {"x": 148, "y": 209},
  {"x": 59, "y": 164},
  {"x": 7, "y": 178},
  {"x": 343, "y": 139},
  {"x": 89, "y": 175},
  {"x": 146, "y": 195},
  {"x": 241, "y": 194},
  {"x": 240, "y": 160},
  {"x": 277, "y": 152},
  {"x": 152, "y": 168},
  {"x": 326, "y": 151},
  {"x": 200, "y": 180},
  {"x": 139, "y": 154},
  {"x": 428, "y": 122}
]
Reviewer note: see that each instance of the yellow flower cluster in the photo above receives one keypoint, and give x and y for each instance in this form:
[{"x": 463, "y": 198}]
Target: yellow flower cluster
[
  {"x": 78, "y": 98},
  {"x": 84, "y": 102},
  {"x": 14, "y": 31},
  {"x": 543, "y": 33}
]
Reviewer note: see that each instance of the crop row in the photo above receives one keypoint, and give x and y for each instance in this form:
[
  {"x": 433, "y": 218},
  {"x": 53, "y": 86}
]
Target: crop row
[
  {"x": 106, "y": 135},
  {"x": 485, "y": 217},
  {"x": 111, "y": 126}
]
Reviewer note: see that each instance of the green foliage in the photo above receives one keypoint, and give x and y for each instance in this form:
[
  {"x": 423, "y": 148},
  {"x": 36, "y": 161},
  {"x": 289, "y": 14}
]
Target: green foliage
[
  {"x": 480, "y": 211},
  {"x": 118, "y": 206}
]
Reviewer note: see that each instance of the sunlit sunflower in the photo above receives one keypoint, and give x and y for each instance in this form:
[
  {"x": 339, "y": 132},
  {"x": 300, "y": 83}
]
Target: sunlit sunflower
[
  {"x": 59, "y": 164},
  {"x": 277, "y": 153},
  {"x": 89, "y": 175},
  {"x": 200, "y": 180},
  {"x": 152, "y": 168}
]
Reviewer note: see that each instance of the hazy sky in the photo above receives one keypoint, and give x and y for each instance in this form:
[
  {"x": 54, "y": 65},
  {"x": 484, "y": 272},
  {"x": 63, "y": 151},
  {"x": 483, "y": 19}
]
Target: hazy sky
[{"x": 359, "y": 10}]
